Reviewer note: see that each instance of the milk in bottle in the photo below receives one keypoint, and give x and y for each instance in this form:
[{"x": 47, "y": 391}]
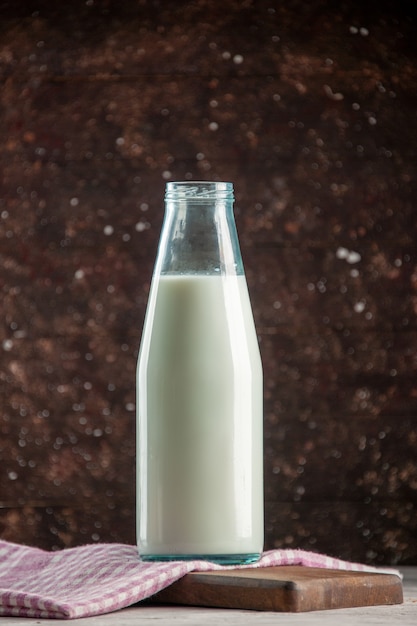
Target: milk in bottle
[{"x": 199, "y": 390}]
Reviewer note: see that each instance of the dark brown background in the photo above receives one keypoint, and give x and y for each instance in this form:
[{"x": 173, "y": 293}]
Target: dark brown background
[{"x": 310, "y": 110}]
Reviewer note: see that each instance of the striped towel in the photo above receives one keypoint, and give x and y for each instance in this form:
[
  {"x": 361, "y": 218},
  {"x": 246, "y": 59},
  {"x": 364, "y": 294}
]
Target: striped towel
[{"x": 100, "y": 578}]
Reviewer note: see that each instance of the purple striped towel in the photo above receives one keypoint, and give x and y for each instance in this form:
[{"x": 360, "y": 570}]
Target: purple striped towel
[{"x": 100, "y": 578}]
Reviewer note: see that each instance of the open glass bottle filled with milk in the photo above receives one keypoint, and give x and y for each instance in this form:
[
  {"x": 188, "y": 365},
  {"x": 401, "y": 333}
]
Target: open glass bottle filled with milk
[{"x": 199, "y": 390}]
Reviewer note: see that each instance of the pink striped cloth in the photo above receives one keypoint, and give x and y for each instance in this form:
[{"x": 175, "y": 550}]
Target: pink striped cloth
[{"x": 100, "y": 578}]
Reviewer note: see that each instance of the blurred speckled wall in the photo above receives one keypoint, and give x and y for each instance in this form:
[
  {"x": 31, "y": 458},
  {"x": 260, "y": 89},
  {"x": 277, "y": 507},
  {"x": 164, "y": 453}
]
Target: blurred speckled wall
[{"x": 311, "y": 111}]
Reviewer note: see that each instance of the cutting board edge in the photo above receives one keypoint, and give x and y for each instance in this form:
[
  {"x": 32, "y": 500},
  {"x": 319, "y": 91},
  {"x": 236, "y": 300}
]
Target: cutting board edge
[{"x": 329, "y": 591}]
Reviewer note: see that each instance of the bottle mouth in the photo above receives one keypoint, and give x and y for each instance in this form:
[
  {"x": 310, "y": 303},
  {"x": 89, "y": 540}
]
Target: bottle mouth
[{"x": 199, "y": 190}]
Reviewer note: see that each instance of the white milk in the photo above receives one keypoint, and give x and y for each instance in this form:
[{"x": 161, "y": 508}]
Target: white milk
[{"x": 200, "y": 451}]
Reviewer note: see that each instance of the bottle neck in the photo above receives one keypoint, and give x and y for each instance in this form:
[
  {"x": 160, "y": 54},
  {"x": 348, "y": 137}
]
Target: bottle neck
[{"x": 199, "y": 232}]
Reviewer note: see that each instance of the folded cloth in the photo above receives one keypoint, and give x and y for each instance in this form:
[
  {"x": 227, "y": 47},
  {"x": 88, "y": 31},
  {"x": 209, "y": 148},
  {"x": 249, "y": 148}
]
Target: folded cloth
[{"x": 100, "y": 578}]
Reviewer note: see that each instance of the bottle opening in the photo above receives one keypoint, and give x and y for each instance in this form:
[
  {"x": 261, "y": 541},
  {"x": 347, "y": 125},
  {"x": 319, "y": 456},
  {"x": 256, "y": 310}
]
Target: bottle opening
[{"x": 199, "y": 190}]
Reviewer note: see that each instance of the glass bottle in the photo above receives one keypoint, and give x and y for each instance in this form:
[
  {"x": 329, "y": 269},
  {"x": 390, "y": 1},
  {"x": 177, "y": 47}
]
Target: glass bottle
[{"x": 199, "y": 390}]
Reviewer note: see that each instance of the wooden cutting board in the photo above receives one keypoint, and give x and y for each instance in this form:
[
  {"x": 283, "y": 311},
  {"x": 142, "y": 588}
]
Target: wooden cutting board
[{"x": 288, "y": 588}]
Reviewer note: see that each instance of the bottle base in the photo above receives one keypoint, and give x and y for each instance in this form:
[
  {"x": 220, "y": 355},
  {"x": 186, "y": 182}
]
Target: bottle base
[{"x": 219, "y": 559}]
